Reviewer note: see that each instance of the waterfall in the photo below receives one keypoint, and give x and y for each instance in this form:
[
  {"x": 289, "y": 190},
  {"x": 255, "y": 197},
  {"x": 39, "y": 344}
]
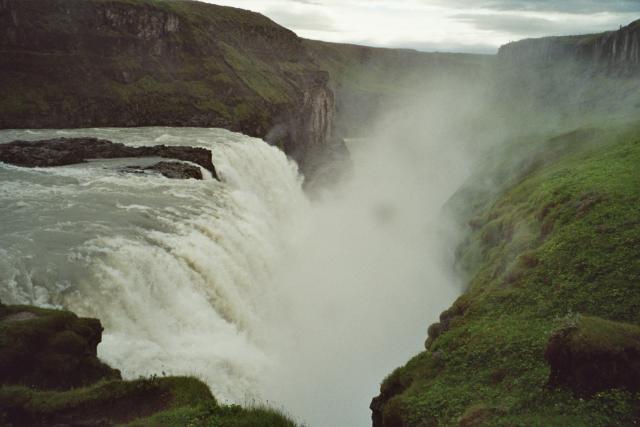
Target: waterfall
[{"x": 176, "y": 270}]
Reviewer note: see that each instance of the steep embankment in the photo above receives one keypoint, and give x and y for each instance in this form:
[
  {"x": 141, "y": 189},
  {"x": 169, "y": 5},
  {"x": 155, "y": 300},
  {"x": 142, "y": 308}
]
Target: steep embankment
[
  {"x": 50, "y": 375},
  {"x": 88, "y": 63},
  {"x": 547, "y": 333}
]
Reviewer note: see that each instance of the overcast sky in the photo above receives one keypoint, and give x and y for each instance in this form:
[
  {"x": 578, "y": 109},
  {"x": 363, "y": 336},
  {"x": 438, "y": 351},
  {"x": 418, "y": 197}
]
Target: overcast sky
[{"x": 442, "y": 25}]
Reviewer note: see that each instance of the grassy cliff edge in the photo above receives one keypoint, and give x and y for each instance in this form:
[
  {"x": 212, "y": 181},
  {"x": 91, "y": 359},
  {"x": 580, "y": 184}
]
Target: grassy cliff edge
[{"x": 547, "y": 332}]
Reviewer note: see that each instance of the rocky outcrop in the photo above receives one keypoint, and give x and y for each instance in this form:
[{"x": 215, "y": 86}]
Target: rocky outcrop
[
  {"x": 50, "y": 376},
  {"x": 590, "y": 355},
  {"x": 176, "y": 170},
  {"x": 74, "y": 63},
  {"x": 49, "y": 349},
  {"x": 613, "y": 50},
  {"x": 68, "y": 151}
]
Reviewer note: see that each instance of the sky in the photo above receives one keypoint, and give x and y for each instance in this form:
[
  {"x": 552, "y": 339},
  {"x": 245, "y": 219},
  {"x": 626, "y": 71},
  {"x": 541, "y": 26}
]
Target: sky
[{"x": 478, "y": 26}]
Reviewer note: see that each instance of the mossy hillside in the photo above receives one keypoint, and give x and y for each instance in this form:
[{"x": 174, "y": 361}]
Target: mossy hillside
[
  {"x": 214, "y": 415},
  {"x": 49, "y": 348},
  {"x": 564, "y": 239},
  {"x": 152, "y": 402},
  {"x": 50, "y": 375}
]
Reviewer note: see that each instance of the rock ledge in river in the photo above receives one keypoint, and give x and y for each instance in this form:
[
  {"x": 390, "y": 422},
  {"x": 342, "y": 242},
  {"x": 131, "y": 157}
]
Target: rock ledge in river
[{"x": 69, "y": 151}]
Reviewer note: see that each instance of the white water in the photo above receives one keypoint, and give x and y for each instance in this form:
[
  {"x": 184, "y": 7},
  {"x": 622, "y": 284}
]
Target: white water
[{"x": 245, "y": 284}]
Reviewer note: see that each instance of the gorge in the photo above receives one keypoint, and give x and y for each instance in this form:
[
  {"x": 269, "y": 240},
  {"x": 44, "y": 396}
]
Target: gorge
[{"x": 360, "y": 192}]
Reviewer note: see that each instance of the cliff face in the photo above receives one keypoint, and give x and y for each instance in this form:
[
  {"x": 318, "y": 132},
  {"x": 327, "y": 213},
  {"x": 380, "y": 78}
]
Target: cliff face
[
  {"x": 617, "y": 50},
  {"x": 87, "y": 63},
  {"x": 570, "y": 82}
]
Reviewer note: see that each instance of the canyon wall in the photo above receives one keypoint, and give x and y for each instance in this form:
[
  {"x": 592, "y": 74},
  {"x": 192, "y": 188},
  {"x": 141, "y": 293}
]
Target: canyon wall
[{"x": 78, "y": 63}]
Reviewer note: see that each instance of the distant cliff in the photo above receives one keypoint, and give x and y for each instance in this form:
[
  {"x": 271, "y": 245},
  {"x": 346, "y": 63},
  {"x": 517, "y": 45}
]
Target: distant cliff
[
  {"x": 368, "y": 80},
  {"x": 618, "y": 50},
  {"x": 88, "y": 63}
]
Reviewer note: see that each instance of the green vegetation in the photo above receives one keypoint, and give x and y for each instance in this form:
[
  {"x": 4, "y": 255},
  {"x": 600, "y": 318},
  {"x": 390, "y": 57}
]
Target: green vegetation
[
  {"x": 50, "y": 375},
  {"x": 558, "y": 248}
]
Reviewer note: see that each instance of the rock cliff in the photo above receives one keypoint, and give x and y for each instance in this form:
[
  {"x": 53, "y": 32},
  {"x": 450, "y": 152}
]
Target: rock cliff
[
  {"x": 88, "y": 63},
  {"x": 614, "y": 50}
]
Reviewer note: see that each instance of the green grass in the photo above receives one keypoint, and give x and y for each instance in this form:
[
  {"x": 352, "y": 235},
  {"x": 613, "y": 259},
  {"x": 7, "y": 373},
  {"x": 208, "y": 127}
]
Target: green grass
[
  {"x": 152, "y": 402},
  {"x": 213, "y": 415},
  {"x": 562, "y": 239},
  {"x": 50, "y": 375}
]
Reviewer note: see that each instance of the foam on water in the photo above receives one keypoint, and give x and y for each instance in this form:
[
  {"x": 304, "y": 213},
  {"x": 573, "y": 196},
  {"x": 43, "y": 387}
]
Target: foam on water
[
  {"x": 244, "y": 282},
  {"x": 175, "y": 269}
]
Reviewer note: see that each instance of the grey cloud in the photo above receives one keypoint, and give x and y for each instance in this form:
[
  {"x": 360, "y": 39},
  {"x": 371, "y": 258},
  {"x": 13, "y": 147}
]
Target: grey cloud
[
  {"x": 308, "y": 20},
  {"x": 568, "y": 6},
  {"x": 525, "y": 26}
]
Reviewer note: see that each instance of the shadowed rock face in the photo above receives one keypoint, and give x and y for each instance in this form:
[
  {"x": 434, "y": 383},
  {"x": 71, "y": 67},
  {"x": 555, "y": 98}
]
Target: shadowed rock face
[
  {"x": 68, "y": 151},
  {"x": 595, "y": 355},
  {"x": 50, "y": 349}
]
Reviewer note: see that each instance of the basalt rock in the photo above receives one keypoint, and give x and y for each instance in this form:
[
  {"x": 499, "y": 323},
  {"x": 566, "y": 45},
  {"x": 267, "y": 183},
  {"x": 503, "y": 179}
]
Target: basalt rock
[
  {"x": 68, "y": 151},
  {"x": 176, "y": 170}
]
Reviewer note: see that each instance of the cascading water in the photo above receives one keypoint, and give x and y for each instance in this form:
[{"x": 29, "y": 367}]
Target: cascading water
[
  {"x": 177, "y": 270},
  {"x": 243, "y": 283}
]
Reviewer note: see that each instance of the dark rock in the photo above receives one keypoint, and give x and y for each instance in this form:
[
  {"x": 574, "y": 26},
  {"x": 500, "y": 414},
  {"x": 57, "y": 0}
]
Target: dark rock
[
  {"x": 590, "y": 355},
  {"x": 49, "y": 349},
  {"x": 68, "y": 151},
  {"x": 176, "y": 170},
  {"x": 172, "y": 170}
]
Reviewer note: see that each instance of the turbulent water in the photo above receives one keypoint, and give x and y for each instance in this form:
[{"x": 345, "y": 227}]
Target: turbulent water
[
  {"x": 175, "y": 269},
  {"x": 243, "y": 283}
]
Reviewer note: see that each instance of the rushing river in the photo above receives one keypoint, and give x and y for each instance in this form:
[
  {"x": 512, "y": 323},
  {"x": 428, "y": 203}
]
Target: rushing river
[{"x": 244, "y": 283}]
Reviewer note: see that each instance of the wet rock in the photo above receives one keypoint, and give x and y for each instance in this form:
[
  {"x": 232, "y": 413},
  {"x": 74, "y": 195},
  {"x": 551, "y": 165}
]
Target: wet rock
[
  {"x": 68, "y": 151},
  {"x": 172, "y": 170},
  {"x": 176, "y": 170}
]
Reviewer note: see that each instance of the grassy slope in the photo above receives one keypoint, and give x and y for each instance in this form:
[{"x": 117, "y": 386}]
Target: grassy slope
[
  {"x": 50, "y": 375},
  {"x": 560, "y": 242}
]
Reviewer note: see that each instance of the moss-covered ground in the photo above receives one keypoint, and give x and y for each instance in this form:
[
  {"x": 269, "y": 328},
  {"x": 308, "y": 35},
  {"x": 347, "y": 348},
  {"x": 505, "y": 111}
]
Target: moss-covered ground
[
  {"x": 559, "y": 243},
  {"x": 50, "y": 375}
]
